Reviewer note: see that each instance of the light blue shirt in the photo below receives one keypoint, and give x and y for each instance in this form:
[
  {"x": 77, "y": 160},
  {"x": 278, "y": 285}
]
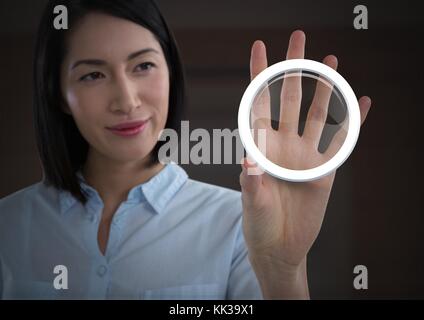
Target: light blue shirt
[{"x": 173, "y": 238}]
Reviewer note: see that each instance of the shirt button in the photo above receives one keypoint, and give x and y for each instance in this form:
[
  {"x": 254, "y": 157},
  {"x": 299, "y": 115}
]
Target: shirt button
[{"x": 101, "y": 271}]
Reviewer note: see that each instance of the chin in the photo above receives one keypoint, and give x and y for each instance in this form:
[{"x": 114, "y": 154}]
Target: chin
[{"x": 135, "y": 155}]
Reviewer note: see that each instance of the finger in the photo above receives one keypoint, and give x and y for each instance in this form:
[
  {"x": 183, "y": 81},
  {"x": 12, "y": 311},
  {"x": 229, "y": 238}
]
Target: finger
[
  {"x": 258, "y": 59},
  {"x": 261, "y": 112},
  {"x": 250, "y": 184},
  {"x": 364, "y": 106},
  {"x": 317, "y": 114},
  {"x": 291, "y": 92},
  {"x": 339, "y": 138}
]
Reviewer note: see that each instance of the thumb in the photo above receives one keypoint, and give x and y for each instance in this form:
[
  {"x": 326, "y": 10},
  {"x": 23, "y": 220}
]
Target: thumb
[{"x": 250, "y": 182}]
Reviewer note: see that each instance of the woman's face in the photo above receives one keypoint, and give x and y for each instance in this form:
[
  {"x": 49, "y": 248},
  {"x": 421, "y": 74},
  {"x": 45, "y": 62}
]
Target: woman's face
[{"x": 115, "y": 73}]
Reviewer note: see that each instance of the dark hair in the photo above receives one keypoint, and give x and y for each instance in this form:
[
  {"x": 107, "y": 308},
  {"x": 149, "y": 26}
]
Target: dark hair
[{"x": 62, "y": 148}]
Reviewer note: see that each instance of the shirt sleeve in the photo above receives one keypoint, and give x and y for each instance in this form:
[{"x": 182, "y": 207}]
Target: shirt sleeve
[{"x": 242, "y": 283}]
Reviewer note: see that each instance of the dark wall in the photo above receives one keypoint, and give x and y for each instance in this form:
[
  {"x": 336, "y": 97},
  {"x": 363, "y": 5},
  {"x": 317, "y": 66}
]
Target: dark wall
[{"x": 375, "y": 214}]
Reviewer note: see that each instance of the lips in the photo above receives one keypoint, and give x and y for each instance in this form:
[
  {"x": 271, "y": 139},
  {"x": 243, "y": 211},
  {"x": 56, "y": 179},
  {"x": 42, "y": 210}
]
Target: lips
[
  {"x": 129, "y": 129},
  {"x": 128, "y": 125}
]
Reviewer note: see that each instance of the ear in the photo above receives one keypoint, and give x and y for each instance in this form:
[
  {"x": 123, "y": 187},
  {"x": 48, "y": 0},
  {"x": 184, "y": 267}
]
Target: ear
[{"x": 64, "y": 107}]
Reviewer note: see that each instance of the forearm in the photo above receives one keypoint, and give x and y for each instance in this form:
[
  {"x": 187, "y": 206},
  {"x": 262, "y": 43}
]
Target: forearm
[{"x": 279, "y": 281}]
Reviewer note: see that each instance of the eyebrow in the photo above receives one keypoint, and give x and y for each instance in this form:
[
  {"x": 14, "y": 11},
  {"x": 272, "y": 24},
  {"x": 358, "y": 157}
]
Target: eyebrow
[{"x": 97, "y": 62}]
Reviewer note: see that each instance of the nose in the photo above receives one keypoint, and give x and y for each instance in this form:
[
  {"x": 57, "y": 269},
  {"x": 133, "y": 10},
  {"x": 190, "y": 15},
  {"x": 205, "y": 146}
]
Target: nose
[{"x": 126, "y": 96}]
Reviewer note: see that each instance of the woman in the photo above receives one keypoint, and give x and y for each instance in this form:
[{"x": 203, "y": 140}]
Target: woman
[{"x": 109, "y": 220}]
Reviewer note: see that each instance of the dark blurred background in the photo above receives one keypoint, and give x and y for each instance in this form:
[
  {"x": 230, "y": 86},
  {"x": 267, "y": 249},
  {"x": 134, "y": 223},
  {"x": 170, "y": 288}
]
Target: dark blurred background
[{"x": 375, "y": 216}]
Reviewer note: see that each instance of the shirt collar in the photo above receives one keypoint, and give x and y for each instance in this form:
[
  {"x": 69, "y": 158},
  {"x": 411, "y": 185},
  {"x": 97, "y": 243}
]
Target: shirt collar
[{"x": 157, "y": 191}]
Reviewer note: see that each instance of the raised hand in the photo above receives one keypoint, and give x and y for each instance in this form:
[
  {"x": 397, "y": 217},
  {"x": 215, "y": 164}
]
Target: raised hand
[{"x": 281, "y": 219}]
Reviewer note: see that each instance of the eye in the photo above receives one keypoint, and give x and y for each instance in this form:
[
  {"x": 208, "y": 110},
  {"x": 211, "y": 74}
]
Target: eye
[
  {"x": 145, "y": 66},
  {"x": 92, "y": 76}
]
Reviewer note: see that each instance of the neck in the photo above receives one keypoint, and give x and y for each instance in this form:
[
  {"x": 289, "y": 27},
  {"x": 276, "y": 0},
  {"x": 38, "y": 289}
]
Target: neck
[{"x": 114, "y": 179}]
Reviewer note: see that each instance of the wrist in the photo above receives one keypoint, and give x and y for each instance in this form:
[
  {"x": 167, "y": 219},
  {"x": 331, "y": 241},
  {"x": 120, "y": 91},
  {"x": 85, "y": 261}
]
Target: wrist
[{"x": 280, "y": 280}]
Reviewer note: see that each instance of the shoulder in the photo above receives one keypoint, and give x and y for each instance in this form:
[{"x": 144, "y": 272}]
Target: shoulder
[
  {"x": 25, "y": 200},
  {"x": 208, "y": 213},
  {"x": 19, "y": 197},
  {"x": 209, "y": 194},
  {"x": 176, "y": 185},
  {"x": 210, "y": 206}
]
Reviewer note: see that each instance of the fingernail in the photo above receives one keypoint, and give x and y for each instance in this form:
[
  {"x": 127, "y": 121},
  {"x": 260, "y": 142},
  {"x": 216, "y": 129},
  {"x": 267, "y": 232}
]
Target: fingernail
[{"x": 250, "y": 162}]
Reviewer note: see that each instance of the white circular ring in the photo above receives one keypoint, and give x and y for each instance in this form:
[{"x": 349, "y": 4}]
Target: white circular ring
[{"x": 245, "y": 130}]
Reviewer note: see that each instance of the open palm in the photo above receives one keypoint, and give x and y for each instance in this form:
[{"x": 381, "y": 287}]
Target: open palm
[{"x": 281, "y": 219}]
